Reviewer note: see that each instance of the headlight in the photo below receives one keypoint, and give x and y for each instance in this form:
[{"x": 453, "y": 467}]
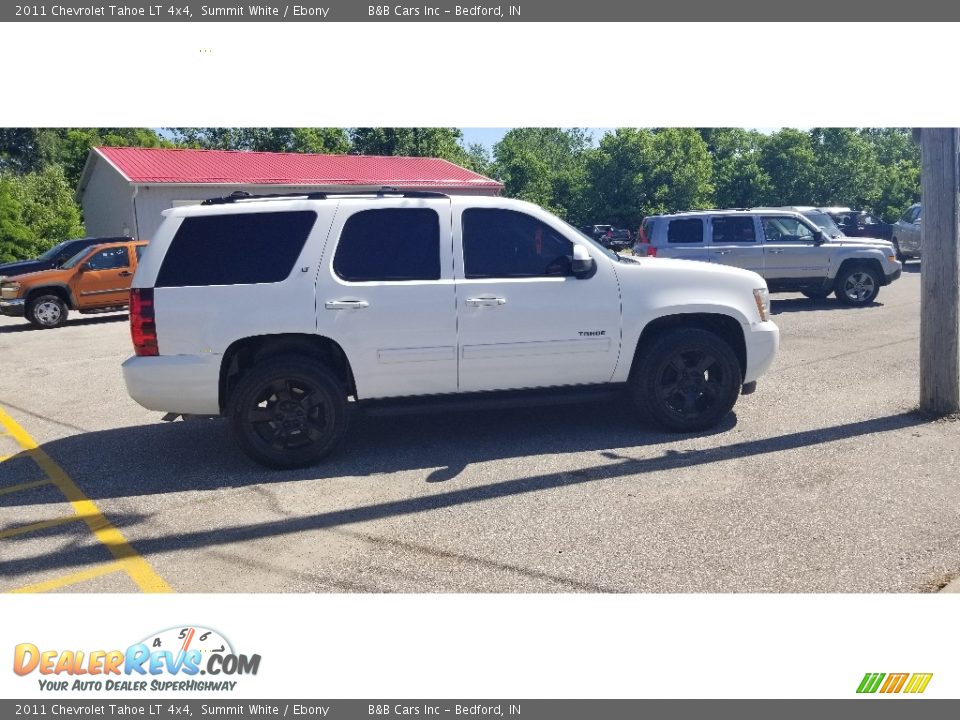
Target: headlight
[
  {"x": 9, "y": 290},
  {"x": 762, "y": 298}
]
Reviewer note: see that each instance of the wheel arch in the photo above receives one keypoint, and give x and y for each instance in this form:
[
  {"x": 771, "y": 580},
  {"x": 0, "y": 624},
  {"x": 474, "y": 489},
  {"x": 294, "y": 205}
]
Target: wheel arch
[
  {"x": 61, "y": 291},
  {"x": 724, "y": 326},
  {"x": 243, "y": 354}
]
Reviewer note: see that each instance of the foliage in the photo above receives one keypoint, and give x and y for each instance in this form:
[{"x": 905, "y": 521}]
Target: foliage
[
  {"x": 414, "y": 142},
  {"x": 37, "y": 210},
  {"x": 305, "y": 140},
  {"x": 546, "y": 166}
]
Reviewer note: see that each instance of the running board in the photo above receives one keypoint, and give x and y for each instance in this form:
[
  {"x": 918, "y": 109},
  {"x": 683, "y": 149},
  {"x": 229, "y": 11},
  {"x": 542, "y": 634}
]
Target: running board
[{"x": 491, "y": 400}]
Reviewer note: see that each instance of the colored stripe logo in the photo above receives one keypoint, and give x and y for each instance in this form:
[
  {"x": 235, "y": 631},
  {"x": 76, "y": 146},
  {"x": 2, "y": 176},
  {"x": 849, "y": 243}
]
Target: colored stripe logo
[{"x": 914, "y": 683}]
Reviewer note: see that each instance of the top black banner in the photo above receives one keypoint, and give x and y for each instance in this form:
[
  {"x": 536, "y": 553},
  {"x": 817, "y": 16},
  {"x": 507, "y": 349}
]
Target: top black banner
[{"x": 513, "y": 11}]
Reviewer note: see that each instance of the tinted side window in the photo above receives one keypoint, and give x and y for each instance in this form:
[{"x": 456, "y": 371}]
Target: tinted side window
[
  {"x": 109, "y": 259},
  {"x": 685, "y": 231},
  {"x": 733, "y": 230},
  {"x": 389, "y": 244},
  {"x": 238, "y": 249},
  {"x": 506, "y": 243}
]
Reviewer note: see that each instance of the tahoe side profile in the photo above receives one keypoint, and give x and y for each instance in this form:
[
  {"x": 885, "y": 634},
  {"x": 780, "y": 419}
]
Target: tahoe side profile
[{"x": 284, "y": 313}]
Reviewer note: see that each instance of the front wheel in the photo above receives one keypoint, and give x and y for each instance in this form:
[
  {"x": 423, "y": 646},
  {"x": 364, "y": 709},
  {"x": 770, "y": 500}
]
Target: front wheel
[
  {"x": 688, "y": 380},
  {"x": 857, "y": 285},
  {"x": 47, "y": 311},
  {"x": 289, "y": 412},
  {"x": 816, "y": 294}
]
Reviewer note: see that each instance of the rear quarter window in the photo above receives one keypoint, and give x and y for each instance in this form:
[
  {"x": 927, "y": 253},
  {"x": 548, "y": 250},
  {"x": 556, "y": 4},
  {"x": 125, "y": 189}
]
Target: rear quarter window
[
  {"x": 237, "y": 249},
  {"x": 688, "y": 230}
]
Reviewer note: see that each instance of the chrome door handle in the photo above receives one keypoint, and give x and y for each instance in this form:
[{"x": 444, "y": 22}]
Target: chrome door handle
[
  {"x": 775, "y": 252},
  {"x": 126, "y": 273},
  {"x": 346, "y": 304},
  {"x": 486, "y": 301},
  {"x": 723, "y": 252}
]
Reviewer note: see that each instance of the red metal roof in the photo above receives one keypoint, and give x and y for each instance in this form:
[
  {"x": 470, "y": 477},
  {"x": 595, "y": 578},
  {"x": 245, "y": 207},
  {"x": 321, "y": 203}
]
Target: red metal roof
[{"x": 169, "y": 165}]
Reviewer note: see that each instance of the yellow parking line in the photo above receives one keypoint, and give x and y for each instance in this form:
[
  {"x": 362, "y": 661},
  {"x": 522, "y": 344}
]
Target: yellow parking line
[
  {"x": 33, "y": 527},
  {"x": 66, "y": 580},
  {"x": 140, "y": 571},
  {"x": 23, "y": 486}
]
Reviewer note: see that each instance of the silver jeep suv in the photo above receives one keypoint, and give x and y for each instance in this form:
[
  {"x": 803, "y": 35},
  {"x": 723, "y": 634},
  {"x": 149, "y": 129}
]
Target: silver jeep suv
[{"x": 786, "y": 248}]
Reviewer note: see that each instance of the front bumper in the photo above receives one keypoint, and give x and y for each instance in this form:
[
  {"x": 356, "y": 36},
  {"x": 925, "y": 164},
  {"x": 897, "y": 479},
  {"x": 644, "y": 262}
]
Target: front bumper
[
  {"x": 182, "y": 384},
  {"x": 13, "y": 308},
  {"x": 762, "y": 340},
  {"x": 895, "y": 275}
]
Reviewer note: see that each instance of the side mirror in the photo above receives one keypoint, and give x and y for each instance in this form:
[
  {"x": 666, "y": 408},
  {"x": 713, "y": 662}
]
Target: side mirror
[
  {"x": 818, "y": 237},
  {"x": 582, "y": 265}
]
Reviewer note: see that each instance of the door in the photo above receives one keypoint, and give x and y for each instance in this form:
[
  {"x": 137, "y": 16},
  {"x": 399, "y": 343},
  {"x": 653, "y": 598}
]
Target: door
[
  {"x": 789, "y": 251},
  {"x": 387, "y": 296},
  {"x": 911, "y": 239},
  {"x": 103, "y": 280},
  {"x": 525, "y": 320},
  {"x": 734, "y": 241}
]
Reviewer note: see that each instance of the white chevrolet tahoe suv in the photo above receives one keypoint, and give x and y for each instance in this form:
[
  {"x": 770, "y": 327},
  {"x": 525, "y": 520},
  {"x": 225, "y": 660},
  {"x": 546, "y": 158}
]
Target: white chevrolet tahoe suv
[{"x": 286, "y": 313}]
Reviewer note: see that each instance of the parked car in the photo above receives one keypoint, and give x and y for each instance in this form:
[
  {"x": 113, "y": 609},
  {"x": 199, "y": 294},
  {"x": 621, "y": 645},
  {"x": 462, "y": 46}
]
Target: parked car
[
  {"x": 784, "y": 246},
  {"x": 861, "y": 223},
  {"x": 96, "y": 279},
  {"x": 906, "y": 233},
  {"x": 286, "y": 314},
  {"x": 55, "y": 256}
]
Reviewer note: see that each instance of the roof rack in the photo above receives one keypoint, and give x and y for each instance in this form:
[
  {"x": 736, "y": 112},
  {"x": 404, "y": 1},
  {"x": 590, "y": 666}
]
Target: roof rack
[{"x": 382, "y": 192}]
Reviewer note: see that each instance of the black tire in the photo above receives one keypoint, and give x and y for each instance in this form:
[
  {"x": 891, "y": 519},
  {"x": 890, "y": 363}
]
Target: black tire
[
  {"x": 857, "y": 285},
  {"x": 817, "y": 294},
  {"x": 289, "y": 412},
  {"x": 896, "y": 247},
  {"x": 687, "y": 380},
  {"x": 47, "y": 311}
]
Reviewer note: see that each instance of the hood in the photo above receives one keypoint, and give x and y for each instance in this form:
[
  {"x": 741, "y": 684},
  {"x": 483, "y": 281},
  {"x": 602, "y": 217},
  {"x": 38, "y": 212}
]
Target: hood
[
  {"x": 693, "y": 269},
  {"x": 862, "y": 242},
  {"x": 21, "y": 267}
]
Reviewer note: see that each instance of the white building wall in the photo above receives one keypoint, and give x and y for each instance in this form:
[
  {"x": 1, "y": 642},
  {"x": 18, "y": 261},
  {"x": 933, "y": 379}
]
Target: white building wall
[{"x": 107, "y": 204}]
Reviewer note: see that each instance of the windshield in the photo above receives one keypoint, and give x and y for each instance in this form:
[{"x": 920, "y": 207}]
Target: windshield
[
  {"x": 609, "y": 253},
  {"x": 53, "y": 252},
  {"x": 75, "y": 259},
  {"x": 825, "y": 223}
]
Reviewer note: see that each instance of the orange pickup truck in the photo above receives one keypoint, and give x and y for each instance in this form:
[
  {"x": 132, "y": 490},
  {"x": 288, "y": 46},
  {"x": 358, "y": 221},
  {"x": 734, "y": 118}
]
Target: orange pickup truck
[{"x": 96, "y": 279}]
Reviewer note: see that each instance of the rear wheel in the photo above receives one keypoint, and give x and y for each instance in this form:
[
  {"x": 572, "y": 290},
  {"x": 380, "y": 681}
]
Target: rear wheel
[
  {"x": 47, "y": 311},
  {"x": 688, "y": 380},
  {"x": 857, "y": 285},
  {"x": 289, "y": 412}
]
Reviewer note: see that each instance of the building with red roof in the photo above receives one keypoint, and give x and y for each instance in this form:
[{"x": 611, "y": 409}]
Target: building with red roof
[{"x": 124, "y": 190}]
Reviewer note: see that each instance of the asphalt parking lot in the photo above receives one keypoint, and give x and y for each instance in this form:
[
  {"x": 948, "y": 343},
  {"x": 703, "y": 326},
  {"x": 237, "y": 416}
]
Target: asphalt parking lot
[{"x": 824, "y": 480}]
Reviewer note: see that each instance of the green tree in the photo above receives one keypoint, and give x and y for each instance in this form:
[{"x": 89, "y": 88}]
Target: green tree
[
  {"x": 546, "y": 166},
  {"x": 679, "y": 171},
  {"x": 738, "y": 178},
  {"x": 847, "y": 169},
  {"x": 16, "y": 241},
  {"x": 788, "y": 159},
  {"x": 899, "y": 159},
  {"x": 38, "y": 211},
  {"x": 74, "y": 144},
  {"x": 438, "y": 142},
  {"x": 616, "y": 177},
  {"x": 305, "y": 140}
]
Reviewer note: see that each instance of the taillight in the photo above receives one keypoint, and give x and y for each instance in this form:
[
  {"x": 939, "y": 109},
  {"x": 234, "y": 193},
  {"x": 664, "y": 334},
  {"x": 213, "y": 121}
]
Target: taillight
[
  {"x": 642, "y": 240},
  {"x": 143, "y": 322}
]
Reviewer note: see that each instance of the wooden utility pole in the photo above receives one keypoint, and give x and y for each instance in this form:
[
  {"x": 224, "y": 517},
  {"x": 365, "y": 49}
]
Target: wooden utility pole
[{"x": 940, "y": 271}]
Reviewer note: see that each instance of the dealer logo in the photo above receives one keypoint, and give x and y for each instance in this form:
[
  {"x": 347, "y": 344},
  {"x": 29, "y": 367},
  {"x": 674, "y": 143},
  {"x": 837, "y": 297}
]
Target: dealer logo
[
  {"x": 178, "y": 652},
  {"x": 894, "y": 683}
]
